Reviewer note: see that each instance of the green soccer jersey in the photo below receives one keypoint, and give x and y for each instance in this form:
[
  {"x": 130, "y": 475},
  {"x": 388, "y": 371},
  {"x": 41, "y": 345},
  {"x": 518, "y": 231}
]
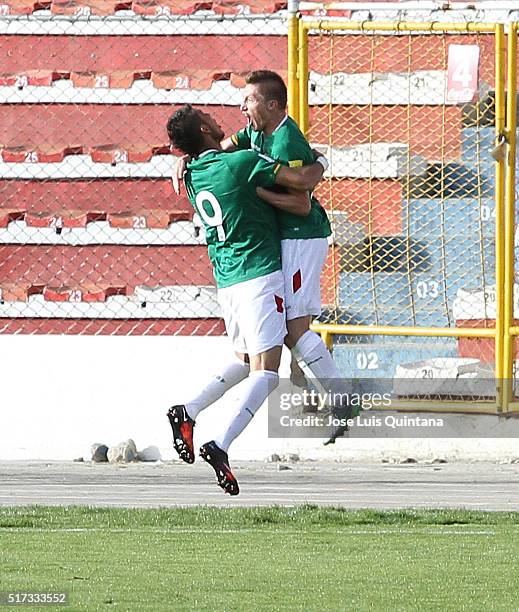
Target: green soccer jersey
[
  {"x": 288, "y": 145},
  {"x": 242, "y": 236}
]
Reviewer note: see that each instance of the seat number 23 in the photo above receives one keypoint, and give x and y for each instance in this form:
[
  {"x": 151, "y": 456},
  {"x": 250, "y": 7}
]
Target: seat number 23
[{"x": 203, "y": 199}]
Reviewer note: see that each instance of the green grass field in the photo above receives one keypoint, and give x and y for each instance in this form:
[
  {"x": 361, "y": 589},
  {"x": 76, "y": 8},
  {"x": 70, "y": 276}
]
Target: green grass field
[{"x": 303, "y": 558}]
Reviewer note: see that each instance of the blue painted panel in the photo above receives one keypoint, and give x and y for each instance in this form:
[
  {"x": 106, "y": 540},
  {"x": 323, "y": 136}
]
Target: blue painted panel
[
  {"x": 363, "y": 293},
  {"x": 380, "y": 360},
  {"x": 425, "y": 218}
]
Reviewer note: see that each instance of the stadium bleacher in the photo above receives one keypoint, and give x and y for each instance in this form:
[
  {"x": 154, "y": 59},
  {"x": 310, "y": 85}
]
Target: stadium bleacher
[{"x": 93, "y": 238}]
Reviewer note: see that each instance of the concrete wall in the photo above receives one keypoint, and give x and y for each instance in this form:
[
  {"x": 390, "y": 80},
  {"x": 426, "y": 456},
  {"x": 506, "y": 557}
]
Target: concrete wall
[{"x": 60, "y": 394}]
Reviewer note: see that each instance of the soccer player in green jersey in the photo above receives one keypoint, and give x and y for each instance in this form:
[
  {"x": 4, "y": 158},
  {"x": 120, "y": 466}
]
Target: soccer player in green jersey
[
  {"x": 245, "y": 251},
  {"x": 304, "y": 240},
  {"x": 304, "y": 243}
]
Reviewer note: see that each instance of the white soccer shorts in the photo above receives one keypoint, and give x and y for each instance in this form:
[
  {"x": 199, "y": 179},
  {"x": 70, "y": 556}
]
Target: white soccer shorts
[
  {"x": 254, "y": 313},
  {"x": 302, "y": 262}
]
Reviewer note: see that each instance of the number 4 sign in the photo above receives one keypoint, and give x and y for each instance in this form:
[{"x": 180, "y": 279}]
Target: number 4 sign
[{"x": 462, "y": 73}]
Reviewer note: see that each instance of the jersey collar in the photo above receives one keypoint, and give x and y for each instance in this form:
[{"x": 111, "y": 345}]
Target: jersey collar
[
  {"x": 206, "y": 152},
  {"x": 281, "y": 123}
]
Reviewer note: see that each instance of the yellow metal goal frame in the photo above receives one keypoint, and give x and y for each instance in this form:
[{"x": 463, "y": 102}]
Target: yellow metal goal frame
[{"x": 503, "y": 333}]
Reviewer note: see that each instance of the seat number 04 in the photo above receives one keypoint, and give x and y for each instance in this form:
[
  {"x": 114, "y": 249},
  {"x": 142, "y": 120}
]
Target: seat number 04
[{"x": 205, "y": 200}]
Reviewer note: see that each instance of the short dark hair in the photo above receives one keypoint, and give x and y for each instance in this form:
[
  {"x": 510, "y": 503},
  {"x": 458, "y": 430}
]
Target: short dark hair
[
  {"x": 184, "y": 130},
  {"x": 274, "y": 87}
]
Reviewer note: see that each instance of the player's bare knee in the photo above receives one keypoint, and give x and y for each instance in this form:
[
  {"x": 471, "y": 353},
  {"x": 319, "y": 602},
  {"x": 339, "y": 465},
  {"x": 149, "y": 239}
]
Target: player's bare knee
[
  {"x": 268, "y": 360},
  {"x": 296, "y": 328},
  {"x": 289, "y": 342}
]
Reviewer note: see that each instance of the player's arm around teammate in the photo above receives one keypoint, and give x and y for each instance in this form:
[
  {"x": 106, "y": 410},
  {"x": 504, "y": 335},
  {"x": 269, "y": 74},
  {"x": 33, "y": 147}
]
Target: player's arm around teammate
[{"x": 244, "y": 249}]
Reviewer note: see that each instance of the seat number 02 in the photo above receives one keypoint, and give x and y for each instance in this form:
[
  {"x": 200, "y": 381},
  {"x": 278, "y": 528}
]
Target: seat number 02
[{"x": 214, "y": 216}]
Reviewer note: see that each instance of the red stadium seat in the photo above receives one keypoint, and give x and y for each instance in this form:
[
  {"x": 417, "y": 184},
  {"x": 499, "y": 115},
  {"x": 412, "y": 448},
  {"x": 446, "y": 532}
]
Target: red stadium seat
[
  {"x": 60, "y": 129},
  {"x": 142, "y": 219},
  {"x": 324, "y": 9},
  {"x": 240, "y": 7},
  {"x": 22, "y": 7},
  {"x": 140, "y": 130},
  {"x": 127, "y": 153},
  {"x": 186, "y": 79},
  {"x": 19, "y": 291},
  {"x": 376, "y": 204},
  {"x": 394, "y": 53},
  {"x": 118, "y": 79},
  {"x": 84, "y": 8},
  {"x": 31, "y": 77},
  {"x": 484, "y": 348},
  {"x": 82, "y": 293},
  {"x": 60, "y": 218},
  {"x": 7, "y": 215},
  {"x": 37, "y": 264},
  {"x": 39, "y": 153},
  {"x": 170, "y": 7},
  {"x": 391, "y": 124}
]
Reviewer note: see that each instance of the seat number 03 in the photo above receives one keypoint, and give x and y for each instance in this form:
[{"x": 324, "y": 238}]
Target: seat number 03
[{"x": 203, "y": 199}]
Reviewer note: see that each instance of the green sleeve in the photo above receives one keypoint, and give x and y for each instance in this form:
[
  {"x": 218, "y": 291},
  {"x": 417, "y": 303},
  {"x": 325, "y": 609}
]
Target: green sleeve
[
  {"x": 254, "y": 168},
  {"x": 294, "y": 153},
  {"x": 241, "y": 139}
]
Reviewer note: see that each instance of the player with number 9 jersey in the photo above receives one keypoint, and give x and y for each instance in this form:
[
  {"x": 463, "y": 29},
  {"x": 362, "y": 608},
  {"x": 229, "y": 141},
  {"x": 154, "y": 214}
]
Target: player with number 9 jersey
[
  {"x": 241, "y": 230},
  {"x": 244, "y": 247}
]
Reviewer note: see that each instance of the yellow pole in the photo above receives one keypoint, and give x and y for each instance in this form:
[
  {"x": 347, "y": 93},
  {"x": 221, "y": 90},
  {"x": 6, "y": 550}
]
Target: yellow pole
[
  {"x": 303, "y": 78},
  {"x": 511, "y": 125},
  {"x": 293, "y": 83},
  {"x": 402, "y": 26},
  {"x": 327, "y": 339},
  {"x": 499, "y": 196},
  {"x": 396, "y": 330}
]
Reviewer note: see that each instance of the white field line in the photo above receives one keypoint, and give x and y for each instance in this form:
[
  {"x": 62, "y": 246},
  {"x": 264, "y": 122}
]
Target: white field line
[
  {"x": 357, "y": 497},
  {"x": 275, "y": 489}
]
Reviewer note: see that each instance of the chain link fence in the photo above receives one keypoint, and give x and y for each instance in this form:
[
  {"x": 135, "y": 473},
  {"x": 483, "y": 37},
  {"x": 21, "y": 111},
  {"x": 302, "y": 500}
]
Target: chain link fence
[
  {"x": 407, "y": 119},
  {"x": 93, "y": 238}
]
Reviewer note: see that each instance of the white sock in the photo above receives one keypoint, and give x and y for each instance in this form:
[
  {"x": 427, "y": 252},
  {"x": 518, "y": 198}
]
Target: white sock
[
  {"x": 231, "y": 374},
  {"x": 258, "y": 387},
  {"x": 316, "y": 362},
  {"x": 314, "y": 358}
]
